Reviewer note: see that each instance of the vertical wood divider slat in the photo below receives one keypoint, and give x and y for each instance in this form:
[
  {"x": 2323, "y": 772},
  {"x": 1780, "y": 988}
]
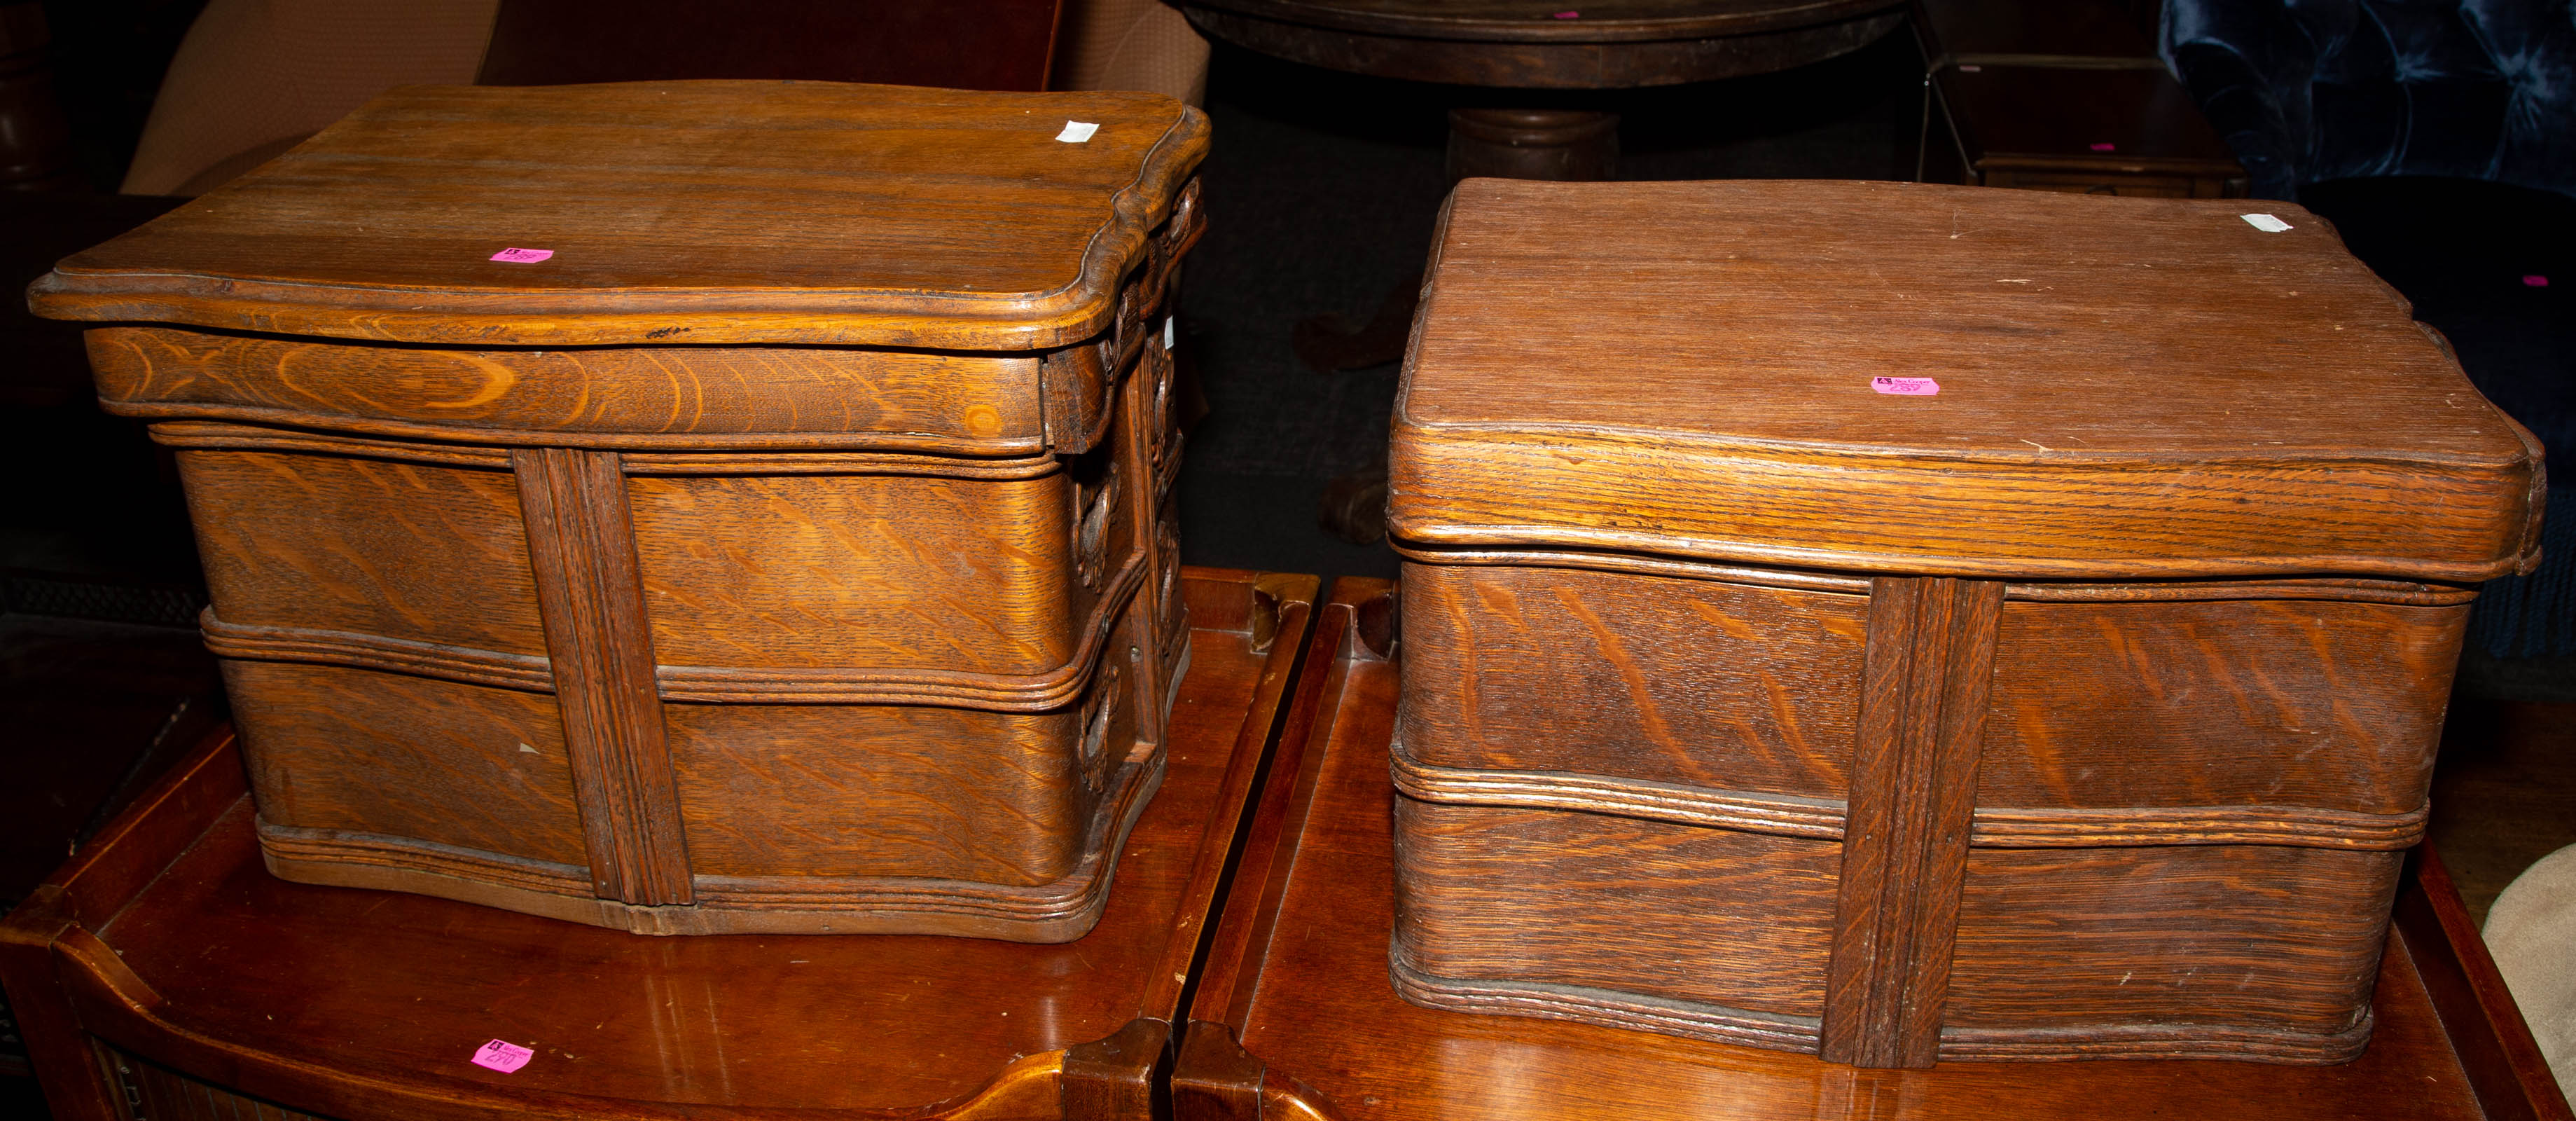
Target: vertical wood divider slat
[
  {"x": 1928, "y": 660},
  {"x": 590, "y": 594}
]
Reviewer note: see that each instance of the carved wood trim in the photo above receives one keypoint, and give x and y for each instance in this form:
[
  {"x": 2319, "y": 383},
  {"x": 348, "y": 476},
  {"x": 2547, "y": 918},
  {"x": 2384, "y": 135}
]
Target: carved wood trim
[
  {"x": 1925, "y": 670},
  {"x": 2351, "y": 589},
  {"x": 251, "y": 437},
  {"x": 1040, "y": 692},
  {"x": 2006, "y": 827},
  {"x": 590, "y": 594}
]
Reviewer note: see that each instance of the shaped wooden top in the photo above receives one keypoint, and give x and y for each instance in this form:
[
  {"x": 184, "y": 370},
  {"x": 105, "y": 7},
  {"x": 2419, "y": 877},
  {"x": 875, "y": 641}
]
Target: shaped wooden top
[
  {"x": 675, "y": 213},
  {"x": 2126, "y": 387}
]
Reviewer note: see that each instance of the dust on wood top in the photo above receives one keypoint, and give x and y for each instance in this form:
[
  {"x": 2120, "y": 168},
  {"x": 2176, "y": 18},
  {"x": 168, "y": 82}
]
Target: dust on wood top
[
  {"x": 2126, "y": 387},
  {"x": 676, "y": 212}
]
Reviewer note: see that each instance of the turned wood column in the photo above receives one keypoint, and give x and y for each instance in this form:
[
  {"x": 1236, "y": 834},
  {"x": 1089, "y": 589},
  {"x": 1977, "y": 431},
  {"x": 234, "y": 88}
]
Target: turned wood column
[{"x": 1532, "y": 144}]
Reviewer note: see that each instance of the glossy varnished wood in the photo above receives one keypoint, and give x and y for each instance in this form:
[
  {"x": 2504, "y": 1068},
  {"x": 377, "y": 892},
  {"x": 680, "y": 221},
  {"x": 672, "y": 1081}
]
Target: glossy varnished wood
[
  {"x": 2197, "y": 397},
  {"x": 166, "y": 943},
  {"x": 1294, "y": 1017},
  {"x": 669, "y": 223},
  {"x": 1718, "y": 641},
  {"x": 861, "y": 637}
]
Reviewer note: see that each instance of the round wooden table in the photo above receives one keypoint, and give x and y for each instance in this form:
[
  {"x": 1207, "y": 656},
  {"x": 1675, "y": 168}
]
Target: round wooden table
[{"x": 1536, "y": 45}]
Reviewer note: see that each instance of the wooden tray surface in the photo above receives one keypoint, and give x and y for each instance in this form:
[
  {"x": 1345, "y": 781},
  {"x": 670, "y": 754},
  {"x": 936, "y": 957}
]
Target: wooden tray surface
[
  {"x": 676, "y": 213},
  {"x": 168, "y": 941},
  {"x": 1295, "y": 1016}
]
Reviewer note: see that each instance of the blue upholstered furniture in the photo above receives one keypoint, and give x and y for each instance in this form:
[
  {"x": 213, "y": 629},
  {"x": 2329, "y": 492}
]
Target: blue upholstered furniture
[
  {"x": 2313, "y": 90},
  {"x": 2440, "y": 137}
]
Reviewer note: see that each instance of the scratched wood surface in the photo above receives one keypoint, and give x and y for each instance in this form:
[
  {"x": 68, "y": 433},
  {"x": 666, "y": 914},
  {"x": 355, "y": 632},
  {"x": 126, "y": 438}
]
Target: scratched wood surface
[
  {"x": 2128, "y": 388},
  {"x": 166, "y": 940},
  {"x": 677, "y": 212},
  {"x": 1295, "y": 1016}
]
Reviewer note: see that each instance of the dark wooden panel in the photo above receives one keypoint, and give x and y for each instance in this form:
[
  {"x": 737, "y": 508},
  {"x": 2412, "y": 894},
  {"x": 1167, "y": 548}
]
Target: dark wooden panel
[
  {"x": 1676, "y": 912},
  {"x": 864, "y": 571},
  {"x": 1695, "y": 682},
  {"x": 2270, "y": 941},
  {"x": 860, "y": 790},
  {"x": 582, "y": 548},
  {"x": 477, "y": 768},
  {"x": 1905, "y": 846},
  {"x": 2227, "y": 703},
  {"x": 404, "y": 550},
  {"x": 965, "y": 44}
]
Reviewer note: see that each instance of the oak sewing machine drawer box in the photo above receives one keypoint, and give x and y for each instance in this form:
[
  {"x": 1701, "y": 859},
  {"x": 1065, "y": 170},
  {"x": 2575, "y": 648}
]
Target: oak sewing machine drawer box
[
  {"x": 689, "y": 507},
  {"x": 1934, "y": 624}
]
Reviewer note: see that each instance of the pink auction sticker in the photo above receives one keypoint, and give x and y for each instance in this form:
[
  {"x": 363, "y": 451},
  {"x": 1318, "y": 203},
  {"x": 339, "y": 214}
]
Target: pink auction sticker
[
  {"x": 502, "y": 1055},
  {"x": 2535, "y": 281},
  {"x": 1906, "y": 387},
  {"x": 523, "y": 256},
  {"x": 1569, "y": 15},
  {"x": 2106, "y": 147}
]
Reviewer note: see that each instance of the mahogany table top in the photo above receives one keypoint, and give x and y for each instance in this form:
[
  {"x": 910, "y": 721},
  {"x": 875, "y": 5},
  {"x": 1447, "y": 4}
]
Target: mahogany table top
[
  {"x": 674, "y": 213},
  {"x": 173, "y": 944},
  {"x": 1298, "y": 975}
]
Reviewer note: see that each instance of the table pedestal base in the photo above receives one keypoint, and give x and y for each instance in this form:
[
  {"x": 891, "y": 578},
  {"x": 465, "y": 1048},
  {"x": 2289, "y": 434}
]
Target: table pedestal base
[{"x": 1532, "y": 144}]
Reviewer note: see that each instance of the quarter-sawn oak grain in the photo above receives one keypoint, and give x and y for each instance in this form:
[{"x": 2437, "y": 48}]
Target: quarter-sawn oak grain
[
  {"x": 2096, "y": 681},
  {"x": 163, "y": 948},
  {"x": 1293, "y": 1019},
  {"x": 857, "y": 637}
]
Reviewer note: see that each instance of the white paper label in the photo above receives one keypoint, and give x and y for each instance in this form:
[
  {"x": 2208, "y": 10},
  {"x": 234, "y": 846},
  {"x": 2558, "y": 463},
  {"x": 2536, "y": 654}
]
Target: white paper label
[
  {"x": 1075, "y": 132},
  {"x": 1167, "y": 333},
  {"x": 2265, "y": 222}
]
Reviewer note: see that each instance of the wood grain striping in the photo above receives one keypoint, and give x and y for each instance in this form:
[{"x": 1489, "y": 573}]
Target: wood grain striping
[
  {"x": 1913, "y": 793},
  {"x": 582, "y": 547}
]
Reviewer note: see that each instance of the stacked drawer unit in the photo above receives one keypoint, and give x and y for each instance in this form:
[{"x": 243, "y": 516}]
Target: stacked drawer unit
[
  {"x": 1934, "y": 623},
  {"x": 690, "y": 507}
]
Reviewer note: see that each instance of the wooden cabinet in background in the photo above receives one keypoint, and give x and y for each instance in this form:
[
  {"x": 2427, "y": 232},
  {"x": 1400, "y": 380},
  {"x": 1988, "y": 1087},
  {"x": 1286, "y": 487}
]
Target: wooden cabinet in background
[
  {"x": 688, "y": 507},
  {"x": 1935, "y": 624}
]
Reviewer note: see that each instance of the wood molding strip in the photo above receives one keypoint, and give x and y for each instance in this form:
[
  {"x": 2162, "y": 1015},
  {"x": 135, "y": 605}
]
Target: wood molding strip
[
  {"x": 1041, "y": 692},
  {"x": 251, "y": 437},
  {"x": 590, "y": 594},
  {"x": 1789, "y": 815},
  {"x": 1925, "y": 669},
  {"x": 317, "y": 646},
  {"x": 2345, "y": 589},
  {"x": 1749, "y": 811}
]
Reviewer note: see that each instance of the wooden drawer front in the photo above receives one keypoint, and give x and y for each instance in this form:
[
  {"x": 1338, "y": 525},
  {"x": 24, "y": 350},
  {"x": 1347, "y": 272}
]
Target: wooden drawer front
[
  {"x": 1699, "y": 683},
  {"x": 884, "y": 571},
  {"x": 2278, "y": 943},
  {"x": 415, "y": 551},
  {"x": 2225, "y": 703},
  {"x": 1619, "y": 907},
  {"x": 877, "y": 790},
  {"x": 783, "y": 397},
  {"x": 465, "y": 766}
]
